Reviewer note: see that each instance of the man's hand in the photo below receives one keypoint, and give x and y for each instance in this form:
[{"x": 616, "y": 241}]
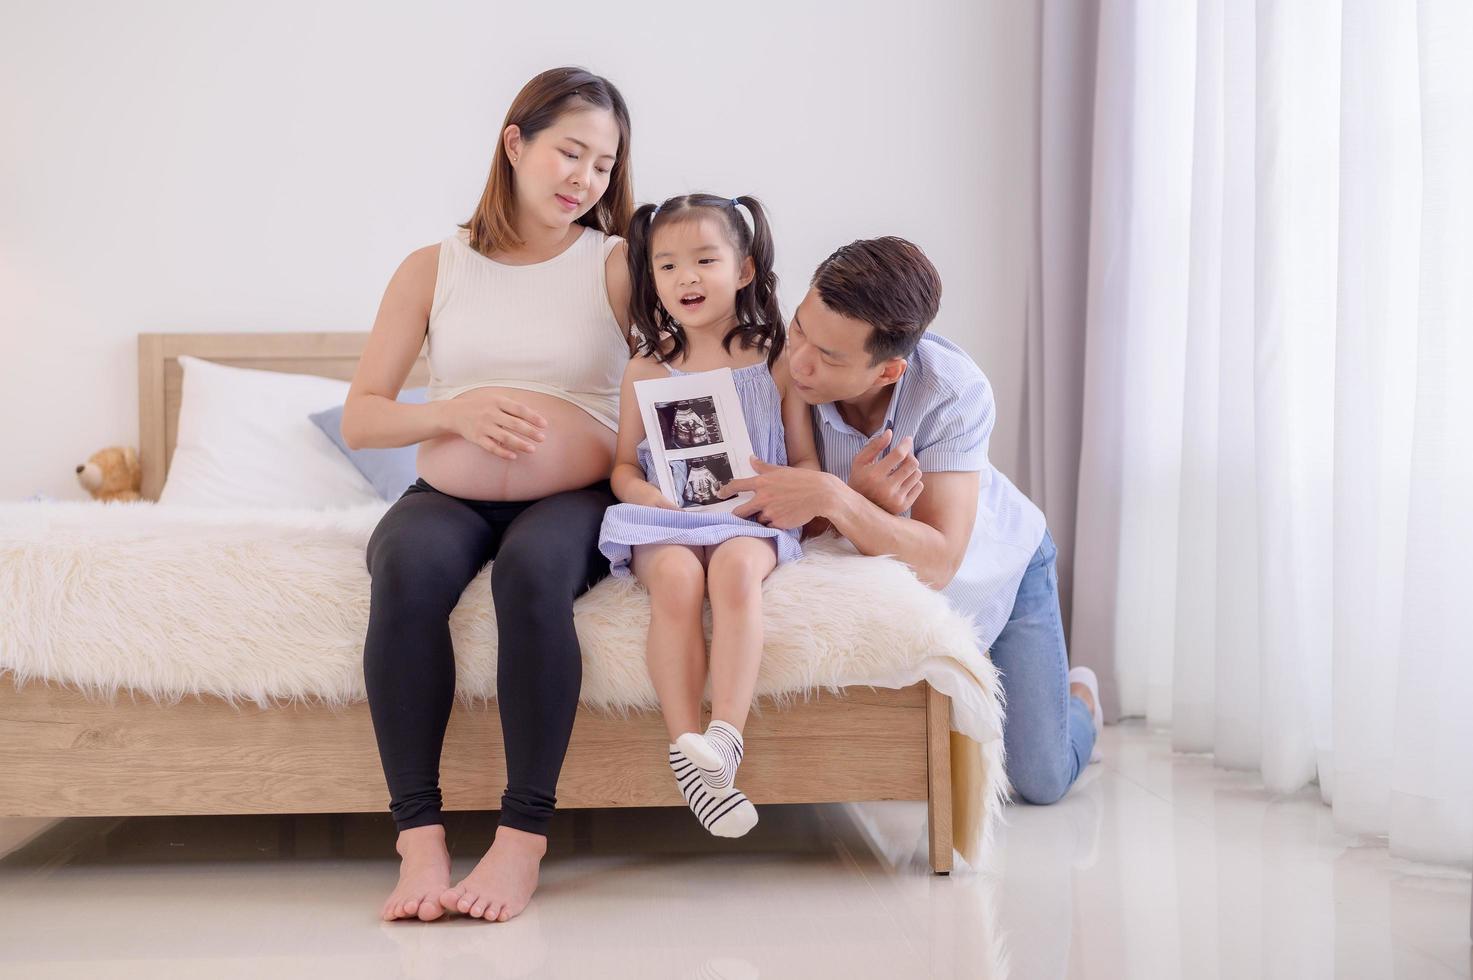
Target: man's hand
[
  {"x": 892, "y": 483},
  {"x": 785, "y": 496}
]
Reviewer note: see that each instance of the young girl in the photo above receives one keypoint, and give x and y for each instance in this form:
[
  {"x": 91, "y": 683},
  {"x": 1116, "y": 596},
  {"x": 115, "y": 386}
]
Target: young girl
[{"x": 704, "y": 297}]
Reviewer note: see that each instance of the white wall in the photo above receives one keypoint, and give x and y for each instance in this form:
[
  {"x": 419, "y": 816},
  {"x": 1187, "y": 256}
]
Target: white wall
[{"x": 188, "y": 167}]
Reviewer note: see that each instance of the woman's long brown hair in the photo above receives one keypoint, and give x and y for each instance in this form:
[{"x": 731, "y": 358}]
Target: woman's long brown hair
[{"x": 539, "y": 104}]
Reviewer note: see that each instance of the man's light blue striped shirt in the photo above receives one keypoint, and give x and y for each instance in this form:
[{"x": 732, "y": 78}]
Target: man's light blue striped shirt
[{"x": 944, "y": 403}]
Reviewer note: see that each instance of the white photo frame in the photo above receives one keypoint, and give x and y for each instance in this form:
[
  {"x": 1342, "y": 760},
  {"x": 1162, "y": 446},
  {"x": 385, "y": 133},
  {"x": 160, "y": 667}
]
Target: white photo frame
[{"x": 697, "y": 436}]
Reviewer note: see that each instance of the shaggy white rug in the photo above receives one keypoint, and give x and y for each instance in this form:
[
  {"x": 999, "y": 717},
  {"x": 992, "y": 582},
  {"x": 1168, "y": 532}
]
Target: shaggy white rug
[{"x": 272, "y": 606}]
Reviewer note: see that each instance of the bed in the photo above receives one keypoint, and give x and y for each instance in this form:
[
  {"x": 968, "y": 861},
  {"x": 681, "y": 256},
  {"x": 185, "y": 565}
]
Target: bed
[{"x": 79, "y": 746}]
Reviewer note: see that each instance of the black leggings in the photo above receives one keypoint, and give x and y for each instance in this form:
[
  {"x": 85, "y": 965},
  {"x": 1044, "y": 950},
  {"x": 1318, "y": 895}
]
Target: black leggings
[{"x": 424, "y": 552}]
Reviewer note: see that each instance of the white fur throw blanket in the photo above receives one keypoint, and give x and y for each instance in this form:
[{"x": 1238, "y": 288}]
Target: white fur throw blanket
[{"x": 272, "y": 605}]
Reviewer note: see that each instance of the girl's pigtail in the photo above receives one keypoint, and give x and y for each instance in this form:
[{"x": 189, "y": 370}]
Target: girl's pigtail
[
  {"x": 648, "y": 318},
  {"x": 757, "y": 302}
]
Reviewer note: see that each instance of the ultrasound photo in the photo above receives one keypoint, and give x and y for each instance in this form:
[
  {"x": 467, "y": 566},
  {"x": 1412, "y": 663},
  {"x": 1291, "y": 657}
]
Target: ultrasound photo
[
  {"x": 689, "y": 422},
  {"x": 698, "y": 478},
  {"x": 697, "y": 436}
]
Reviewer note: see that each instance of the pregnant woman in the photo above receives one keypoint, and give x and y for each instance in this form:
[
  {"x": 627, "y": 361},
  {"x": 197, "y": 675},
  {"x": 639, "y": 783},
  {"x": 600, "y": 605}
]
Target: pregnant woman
[{"x": 526, "y": 314}]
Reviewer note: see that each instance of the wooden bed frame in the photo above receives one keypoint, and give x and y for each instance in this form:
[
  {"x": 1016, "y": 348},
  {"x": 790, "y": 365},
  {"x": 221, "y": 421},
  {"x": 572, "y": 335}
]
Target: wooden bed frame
[{"x": 68, "y": 756}]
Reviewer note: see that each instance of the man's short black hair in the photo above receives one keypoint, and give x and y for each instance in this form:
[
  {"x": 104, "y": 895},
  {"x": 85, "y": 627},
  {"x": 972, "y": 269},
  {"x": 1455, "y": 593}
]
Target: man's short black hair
[{"x": 885, "y": 282}]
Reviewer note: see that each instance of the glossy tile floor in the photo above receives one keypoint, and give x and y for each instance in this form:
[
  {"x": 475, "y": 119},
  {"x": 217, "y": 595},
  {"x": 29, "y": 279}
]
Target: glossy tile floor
[{"x": 1154, "y": 866}]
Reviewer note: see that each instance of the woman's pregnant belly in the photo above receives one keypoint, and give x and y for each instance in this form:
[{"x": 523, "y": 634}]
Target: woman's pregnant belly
[{"x": 578, "y": 450}]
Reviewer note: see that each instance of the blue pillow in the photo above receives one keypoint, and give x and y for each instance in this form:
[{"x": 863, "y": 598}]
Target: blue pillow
[{"x": 390, "y": 471}]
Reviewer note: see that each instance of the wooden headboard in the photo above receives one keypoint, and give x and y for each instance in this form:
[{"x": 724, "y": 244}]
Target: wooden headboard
[{"x": 161, "y": 379}]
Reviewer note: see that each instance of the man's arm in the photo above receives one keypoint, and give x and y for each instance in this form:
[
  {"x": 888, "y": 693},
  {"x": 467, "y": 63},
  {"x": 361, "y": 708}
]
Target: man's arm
[{"x": 932, "y": 541}]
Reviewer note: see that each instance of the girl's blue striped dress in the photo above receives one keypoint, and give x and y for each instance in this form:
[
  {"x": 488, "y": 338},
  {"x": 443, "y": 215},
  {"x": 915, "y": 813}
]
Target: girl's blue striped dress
[{"x": 626, "y": 525}]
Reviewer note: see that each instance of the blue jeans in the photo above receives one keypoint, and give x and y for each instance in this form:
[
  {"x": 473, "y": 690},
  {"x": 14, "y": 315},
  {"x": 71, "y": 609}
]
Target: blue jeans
[{"x": 1048, "y": 734}]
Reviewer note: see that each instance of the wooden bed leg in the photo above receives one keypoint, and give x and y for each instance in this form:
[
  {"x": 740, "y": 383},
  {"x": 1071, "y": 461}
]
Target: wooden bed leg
[{"x": 938, "y": 778}]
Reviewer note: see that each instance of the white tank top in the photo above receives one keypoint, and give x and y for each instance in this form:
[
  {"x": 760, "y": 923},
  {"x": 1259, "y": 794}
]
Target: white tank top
[{"x": 544, "y": 327}]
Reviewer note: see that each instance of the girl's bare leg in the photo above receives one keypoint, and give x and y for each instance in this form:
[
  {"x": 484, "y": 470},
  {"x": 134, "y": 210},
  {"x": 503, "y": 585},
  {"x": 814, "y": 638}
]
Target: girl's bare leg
[
  {"x": 676, "y": 651},
  {"x": 676, "y": 578},
  {"x": 734, "y": 577}
]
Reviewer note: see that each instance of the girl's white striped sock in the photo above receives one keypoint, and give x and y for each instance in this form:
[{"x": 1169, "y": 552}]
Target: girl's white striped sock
[
  {"x": 717, "y": 754},
  {"x": 728, "y": 815}
]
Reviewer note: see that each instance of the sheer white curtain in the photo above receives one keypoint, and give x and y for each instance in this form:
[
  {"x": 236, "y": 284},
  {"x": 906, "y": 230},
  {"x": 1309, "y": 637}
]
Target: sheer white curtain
[{"x": 1275, "y": 519}]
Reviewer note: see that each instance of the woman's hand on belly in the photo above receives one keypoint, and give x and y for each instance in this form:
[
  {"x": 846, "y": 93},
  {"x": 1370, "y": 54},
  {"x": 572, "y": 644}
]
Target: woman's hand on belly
[
  {"x": 576, "y": 450},
  {"x": 497, "y": 422}
]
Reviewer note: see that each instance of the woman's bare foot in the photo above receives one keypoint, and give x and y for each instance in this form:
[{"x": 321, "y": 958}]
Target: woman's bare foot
[
  {"x": 503, "y": 882},
  {"x": 424, "y": 874},
  {"x": 1083, "y": 693}
]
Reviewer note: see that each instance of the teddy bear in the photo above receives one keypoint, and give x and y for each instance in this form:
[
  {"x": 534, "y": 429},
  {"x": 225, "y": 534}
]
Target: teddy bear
[{"x": 112, "y": 474}]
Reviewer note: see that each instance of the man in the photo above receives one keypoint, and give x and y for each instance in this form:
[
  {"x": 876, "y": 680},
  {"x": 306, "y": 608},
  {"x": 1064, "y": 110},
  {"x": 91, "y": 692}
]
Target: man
[{"x": 902, "y": 419}]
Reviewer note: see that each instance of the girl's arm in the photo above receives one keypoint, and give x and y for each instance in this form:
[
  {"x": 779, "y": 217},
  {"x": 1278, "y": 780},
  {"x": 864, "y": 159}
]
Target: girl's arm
[
  {"x": 627, "y": 480},
  {"x": 798, "y": 434},
  {"x": 797, "y": 420}
]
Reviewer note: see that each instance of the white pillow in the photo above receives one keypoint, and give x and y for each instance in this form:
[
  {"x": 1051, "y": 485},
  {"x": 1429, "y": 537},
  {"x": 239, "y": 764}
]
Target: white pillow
[{"x": 245, "y": 439}]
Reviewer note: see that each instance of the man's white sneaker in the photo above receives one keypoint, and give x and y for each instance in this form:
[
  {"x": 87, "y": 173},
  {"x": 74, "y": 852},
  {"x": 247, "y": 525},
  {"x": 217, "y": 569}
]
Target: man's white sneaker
[{"x": 1085, "y": 676}]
